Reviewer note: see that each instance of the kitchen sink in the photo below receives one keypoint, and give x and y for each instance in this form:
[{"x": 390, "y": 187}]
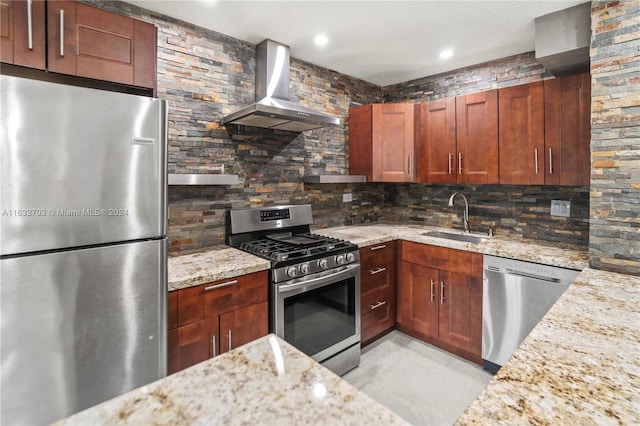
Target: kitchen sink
[{"x": 468, "y": 238}]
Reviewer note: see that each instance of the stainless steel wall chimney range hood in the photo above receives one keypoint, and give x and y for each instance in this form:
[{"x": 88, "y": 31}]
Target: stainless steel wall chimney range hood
[
  {"x": 272, "y": 109},
  {"x": 563, "y": 40}
]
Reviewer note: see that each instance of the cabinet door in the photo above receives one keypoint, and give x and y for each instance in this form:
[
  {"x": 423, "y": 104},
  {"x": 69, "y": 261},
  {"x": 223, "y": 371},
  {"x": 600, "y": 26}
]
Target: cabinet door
[
  {"x": 460, "y": 316},
  {"x": 477, "y": 137},
  {"x": 186, "y": 346},
  {"x": 567, "y": 130},
  {"x": 212, "y": 335},
  {"x": 360, "y": 148},
  {"x": 22, "y": 33},
  {"x": 521, "y": 127},
  {"x": 189, "y": 305},
  {"x": 243, "y": 325},
  {"x": 392, "y": 143},
  {"x": 172, "y": 310},
  {"x": 418, "y": 299},
  {"x": 436, "y": 147},
  {"x": 94, "y": 43}
]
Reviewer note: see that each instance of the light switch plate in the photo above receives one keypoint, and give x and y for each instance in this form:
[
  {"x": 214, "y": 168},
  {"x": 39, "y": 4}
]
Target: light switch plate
[
  {"x": 347, "y": 198},
  {"x": 561, "y": 208}
]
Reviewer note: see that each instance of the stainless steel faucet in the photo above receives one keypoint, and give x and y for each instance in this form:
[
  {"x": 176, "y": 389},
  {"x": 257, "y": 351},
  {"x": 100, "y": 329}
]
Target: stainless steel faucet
[{"x": 465, "y": 218}]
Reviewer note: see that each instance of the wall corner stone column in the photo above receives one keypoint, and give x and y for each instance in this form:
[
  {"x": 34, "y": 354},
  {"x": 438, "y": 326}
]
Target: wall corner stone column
[{"x": 614, "y": 237}]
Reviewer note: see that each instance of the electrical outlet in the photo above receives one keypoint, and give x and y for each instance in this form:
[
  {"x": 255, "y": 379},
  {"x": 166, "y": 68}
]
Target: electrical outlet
[
  {"x": 347, "y": 198},
  {"x": 561, "y": 208}
]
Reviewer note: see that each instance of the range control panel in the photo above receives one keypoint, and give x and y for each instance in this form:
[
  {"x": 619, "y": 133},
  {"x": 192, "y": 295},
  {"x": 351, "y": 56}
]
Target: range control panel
[{"x": 267, "y": 215}]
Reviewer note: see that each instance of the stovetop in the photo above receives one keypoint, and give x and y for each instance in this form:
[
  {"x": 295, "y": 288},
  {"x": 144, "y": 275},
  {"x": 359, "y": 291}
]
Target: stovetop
[{"x": 289, "y": 248}]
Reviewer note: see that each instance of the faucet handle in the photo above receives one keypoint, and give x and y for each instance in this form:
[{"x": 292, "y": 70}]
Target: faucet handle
[{"x": 490, "y": 233}]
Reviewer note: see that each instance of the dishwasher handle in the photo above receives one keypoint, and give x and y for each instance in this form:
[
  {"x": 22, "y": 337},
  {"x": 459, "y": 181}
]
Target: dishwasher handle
[{"x": 507, "y": 271}]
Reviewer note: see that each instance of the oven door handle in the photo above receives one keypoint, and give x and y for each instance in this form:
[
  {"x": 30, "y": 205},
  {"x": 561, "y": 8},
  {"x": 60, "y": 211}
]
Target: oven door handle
[{"x": 349, "y": 272}]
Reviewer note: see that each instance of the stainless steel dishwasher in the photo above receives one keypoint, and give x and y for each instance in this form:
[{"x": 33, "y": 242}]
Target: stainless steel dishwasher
[{"x": 516, "y": 295}]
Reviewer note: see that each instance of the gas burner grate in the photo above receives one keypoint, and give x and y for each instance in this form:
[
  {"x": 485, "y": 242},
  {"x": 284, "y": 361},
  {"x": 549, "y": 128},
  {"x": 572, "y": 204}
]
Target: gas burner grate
[{"x": 278, "y": 250}]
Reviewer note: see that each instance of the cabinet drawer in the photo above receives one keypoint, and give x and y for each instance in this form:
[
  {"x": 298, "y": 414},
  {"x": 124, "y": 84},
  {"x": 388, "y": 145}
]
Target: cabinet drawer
[
  {"x": 375, "y": 277},
  {"x": 233, "y": 293},
  {"x": 375, "y": 306},
  {"x": 377, "y": 254},
  {"x": 426, "y": 255}
]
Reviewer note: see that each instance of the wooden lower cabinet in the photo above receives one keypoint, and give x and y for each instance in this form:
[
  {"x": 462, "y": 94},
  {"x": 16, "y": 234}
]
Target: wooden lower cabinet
[
  {"x": 236, "y": 328},
  {"x": 213, "y": 318},
  {"x": 460, "y": 315},
  {"x": 186, "y": 346},
  {"x": 441, "y": 302},
  {"x": 418, "y": 299},
  {"x": 378, "y": 290}
]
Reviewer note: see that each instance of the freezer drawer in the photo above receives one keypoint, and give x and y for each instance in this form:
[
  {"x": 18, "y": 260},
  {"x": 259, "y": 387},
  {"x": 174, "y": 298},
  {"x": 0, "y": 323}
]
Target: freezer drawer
[
  {"x": 79, "y": 166},
  {"x": 80, "y": 327}
]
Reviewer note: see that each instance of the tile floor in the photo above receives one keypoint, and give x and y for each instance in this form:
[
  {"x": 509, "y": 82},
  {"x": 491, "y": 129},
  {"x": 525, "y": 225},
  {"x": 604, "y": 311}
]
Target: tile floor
[{"x": 422, "y": 384}]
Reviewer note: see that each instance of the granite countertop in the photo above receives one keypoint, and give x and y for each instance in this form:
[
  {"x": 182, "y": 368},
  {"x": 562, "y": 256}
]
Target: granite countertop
[
  {"x": 222, "y": 262},
  {"x": 561, "y": 255},
  {"x": 217, "y": 263},
  {"x": 579, "y": 365},
  {"x": 266, "y": 381}
]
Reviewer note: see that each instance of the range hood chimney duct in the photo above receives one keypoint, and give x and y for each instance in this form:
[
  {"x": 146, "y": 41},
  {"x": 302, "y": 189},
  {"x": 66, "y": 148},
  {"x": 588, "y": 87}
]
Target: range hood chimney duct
[
  {"x": 562, "y": 40},
  {"x": 272, "y": 109}
]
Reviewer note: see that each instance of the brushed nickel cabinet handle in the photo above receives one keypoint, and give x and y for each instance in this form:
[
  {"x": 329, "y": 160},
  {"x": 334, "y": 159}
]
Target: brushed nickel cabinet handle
[
  {"x": 61, "y": 32},
  {"x": 378, "y": 247},
  {"x": 442, "y": 292},
  {"x": 213, "y": 344},
  {"x": 227, "y": 284},
  {"x": 229, "y": 335},
  {"x": 550, "y": 162},
  {"x": 30, "y": 23},
  {"x": 410, "y": 165},
  {"x": 535, "y": 158},
  {"x": 459, "y": 163},
  {"x": 432, "y": 294},
  {"x": 377, "y": 270},
  {"x": 377, "y": 305},
  {"x": 450, "y": 163}
]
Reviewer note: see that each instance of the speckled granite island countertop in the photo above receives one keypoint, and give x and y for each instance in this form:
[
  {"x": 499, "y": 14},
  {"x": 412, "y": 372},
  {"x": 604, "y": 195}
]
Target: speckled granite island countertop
[
  {"x": 580, "y": 365},
  {"x": 217, "y": 263},
  {"x": 265, "y": 382},
  {"x": 554, "y": 254}
]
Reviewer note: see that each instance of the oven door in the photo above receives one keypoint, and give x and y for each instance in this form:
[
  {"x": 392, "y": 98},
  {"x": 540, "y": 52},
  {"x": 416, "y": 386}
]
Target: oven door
[{"x": 319, "y": 314}]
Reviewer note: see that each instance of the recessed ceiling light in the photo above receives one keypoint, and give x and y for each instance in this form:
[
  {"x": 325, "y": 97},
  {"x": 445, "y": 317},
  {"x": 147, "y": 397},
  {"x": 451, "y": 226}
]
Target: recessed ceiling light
[
  {"x": 321, "y": 40},
  {"x": 446, "y": 54}
]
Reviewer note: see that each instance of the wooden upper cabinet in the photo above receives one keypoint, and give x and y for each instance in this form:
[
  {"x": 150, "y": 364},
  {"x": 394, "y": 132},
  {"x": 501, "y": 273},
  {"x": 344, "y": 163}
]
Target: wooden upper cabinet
[
  {"x": 477, "y": 137},
  {"x": 457, "y": 139},
  {"x": 436, "y": 144},
  {"x": 521, "y": 130},
  {"x": 22, "y": 33},
  {"x": 567, "y": 130},
  {"x": 381, "y": 142},
  {"x": 94, "y": 43}
]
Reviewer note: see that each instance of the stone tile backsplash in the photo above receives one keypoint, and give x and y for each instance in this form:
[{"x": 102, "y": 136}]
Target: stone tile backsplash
[{"x": 205, "y": 75}]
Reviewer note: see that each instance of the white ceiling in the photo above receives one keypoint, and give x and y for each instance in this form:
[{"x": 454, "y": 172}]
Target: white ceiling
[{"x": 382, "y": 42}]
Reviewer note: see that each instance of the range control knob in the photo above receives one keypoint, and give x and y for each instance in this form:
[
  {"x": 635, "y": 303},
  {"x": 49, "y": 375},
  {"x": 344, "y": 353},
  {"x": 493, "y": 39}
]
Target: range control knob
[
  {"x": 304, "y": 268},
  {"x": 340, "y": 259},
  {"x": 350, "y": 257},
  {"x": 291, "y": 271},
  {"x": 322, "y": 263}
]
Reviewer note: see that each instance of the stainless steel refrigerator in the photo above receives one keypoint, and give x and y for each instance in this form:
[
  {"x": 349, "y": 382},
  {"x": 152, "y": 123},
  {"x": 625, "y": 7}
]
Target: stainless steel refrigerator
[{"x": 83, "y": 247}]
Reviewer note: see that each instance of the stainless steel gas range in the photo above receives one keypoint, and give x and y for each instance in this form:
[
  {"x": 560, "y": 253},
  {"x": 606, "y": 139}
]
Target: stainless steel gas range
[{"x": 314, "y": 281}]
